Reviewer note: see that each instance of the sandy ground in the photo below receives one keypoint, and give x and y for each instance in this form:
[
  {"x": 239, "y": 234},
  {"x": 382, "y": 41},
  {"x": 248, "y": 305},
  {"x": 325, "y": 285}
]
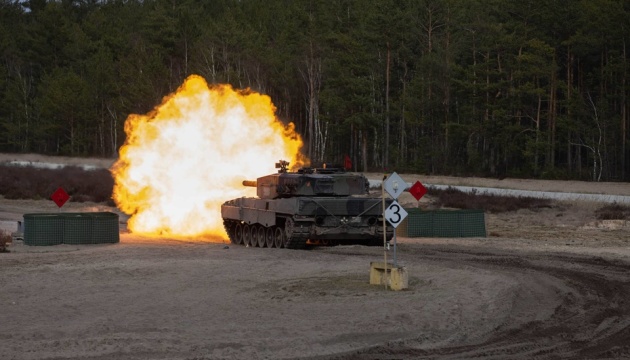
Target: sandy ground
[{"x": 550, "y": 283}]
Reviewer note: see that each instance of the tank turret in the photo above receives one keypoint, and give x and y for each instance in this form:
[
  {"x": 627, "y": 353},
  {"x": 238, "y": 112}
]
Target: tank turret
[
  {"x": 310, "y": 182},
  {"x": 312, "y": 205}
]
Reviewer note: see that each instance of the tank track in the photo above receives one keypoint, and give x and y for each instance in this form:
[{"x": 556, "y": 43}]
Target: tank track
[
  {"x": 295, "y": 236},
  {"x": 297, "y": 240}
]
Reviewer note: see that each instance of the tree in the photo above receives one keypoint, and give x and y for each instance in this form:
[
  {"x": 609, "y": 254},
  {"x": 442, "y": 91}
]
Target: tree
[{"x": 64, "y": 107}]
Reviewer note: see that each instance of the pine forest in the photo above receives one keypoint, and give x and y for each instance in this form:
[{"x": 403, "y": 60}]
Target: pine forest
[{"x": 520, "y": 88}]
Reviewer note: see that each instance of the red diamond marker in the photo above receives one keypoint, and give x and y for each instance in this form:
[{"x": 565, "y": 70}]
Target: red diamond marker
[
  {"x": 60, "y": 196},
  {"x": 418, "y": 190}
]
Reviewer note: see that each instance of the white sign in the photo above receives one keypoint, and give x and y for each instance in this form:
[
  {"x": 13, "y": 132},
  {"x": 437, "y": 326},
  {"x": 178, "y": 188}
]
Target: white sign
[
  {"x": 395, "y": 214},
  {"x": 395, "y": 185}
]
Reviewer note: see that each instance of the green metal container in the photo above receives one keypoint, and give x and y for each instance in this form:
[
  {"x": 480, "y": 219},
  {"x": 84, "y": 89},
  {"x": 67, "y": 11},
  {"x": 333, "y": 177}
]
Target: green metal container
[
  {"x": 43, "y": 229},
  {"x": 77, "y": 228},
  {"x": 71, "y": 228},
  {"x": 105, "y": 228},
  {"x": 444, "y": 223}
]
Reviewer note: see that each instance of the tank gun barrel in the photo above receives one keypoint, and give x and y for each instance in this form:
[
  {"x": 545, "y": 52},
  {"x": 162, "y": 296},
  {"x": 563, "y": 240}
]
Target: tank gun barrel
[
  {"x": 377, "y": 184},
  {"x": 249, "y": 183}
]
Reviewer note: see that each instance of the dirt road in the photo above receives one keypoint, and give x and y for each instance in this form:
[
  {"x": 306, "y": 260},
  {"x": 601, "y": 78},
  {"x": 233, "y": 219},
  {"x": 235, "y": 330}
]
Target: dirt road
[
  {"x": 169, "y": 299},
  {"x": 560, "y": 306}
]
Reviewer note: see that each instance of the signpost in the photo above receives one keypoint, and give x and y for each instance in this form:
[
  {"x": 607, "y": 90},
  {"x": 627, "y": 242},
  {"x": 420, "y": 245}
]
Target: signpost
[
  {"x": 394, "y": 214},
  {"x": 60, "y": 196},
  {"x": 417, "y": 190},
  {"x": 394, "y": 185}
]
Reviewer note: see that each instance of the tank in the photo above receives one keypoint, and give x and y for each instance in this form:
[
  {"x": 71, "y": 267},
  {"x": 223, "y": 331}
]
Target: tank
[{"x": 312, "y": 206}]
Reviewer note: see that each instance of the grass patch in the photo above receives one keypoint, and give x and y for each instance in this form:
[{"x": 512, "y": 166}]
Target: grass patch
[
  {"x": 22, "y": 182},
  {"x": 453, "y": 198},
  {"x": 613, "y": 212}
]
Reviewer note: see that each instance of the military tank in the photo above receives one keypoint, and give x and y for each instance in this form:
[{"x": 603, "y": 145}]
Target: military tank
[{"x": 312, "y": 206}]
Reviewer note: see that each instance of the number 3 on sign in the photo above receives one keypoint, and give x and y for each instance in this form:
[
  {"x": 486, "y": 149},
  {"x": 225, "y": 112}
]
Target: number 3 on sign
[{"x": 395, "y": 214}]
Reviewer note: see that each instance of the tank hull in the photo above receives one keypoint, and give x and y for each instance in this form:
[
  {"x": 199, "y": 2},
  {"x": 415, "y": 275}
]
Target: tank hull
[{"x": 293, "y": 222}]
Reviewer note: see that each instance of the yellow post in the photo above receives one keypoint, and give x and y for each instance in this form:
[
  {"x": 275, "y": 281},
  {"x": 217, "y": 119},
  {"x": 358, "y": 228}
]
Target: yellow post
[{"x": 384, "y": 229}]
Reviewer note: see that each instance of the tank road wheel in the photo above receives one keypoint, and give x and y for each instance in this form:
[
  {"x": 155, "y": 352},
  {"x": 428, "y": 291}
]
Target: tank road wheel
[
  {"x": 261, "y": 236},
  {"x": 247, "y": 235},
  {"x": 253, "y": 237},
  {"x": 278, "y": 237},
  {"x": 238, "y": 234},
  {"x": 269, "y": 237}
]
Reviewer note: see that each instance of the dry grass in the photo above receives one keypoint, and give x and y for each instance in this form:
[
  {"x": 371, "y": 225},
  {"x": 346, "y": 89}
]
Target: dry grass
[
  {"x": 5, "y": 238},
  {"x": 613, "y": 212},
  {"x": 20, "y": 182},
  {"x": 453, "y": 198}
]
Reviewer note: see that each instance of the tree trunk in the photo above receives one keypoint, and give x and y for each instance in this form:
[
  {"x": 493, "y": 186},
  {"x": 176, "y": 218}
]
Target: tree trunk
[
  {"x": 364, "y": 150},
  {"x": 113, "y": 125},
  {"x": 551, "y": 116},
  {"x": 624, "y": 114},
  {"x": 402, "y": 150},
  {"x": 569, "y": 88},
  {"x": 537, "y": 133},
  {"x": 312, "y": 78},
  {"x": 386, "y": 156}
]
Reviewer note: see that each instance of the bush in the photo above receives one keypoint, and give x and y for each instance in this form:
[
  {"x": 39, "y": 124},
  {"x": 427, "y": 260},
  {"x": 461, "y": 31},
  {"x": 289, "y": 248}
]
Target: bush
[
  {"x": 5, "y": 238},
  {"x": 454, "y": 198},
  {"x": 613, "y": 212},
  {"x": 20, "y": 182}
]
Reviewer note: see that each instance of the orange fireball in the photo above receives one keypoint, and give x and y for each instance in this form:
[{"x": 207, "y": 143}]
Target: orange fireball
[{"x": 182, "y": 160}]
